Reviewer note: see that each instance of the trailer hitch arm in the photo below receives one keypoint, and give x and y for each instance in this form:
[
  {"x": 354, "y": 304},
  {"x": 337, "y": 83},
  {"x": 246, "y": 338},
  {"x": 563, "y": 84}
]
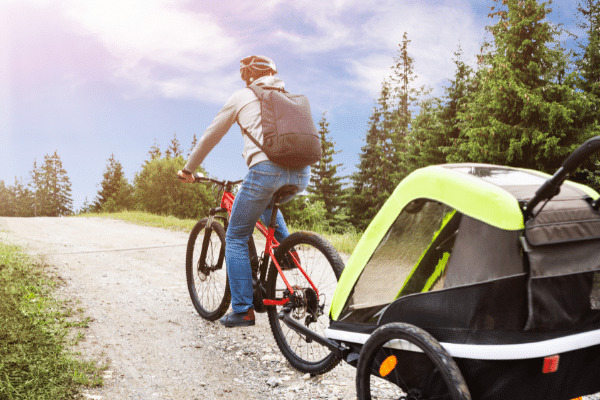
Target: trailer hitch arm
[{"x": 339, "y": 349}]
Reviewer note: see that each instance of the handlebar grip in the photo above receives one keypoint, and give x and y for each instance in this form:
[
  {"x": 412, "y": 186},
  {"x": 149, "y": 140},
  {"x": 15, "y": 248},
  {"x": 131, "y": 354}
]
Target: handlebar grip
[{"x": 198, "y": 177}]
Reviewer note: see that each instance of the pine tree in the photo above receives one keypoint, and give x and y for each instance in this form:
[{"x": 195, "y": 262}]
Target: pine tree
[
  {"x": 34, "y": 184},
  {"x": 427, "y": 137},
  {"x": 406, "y": 96},
  {"x": 115, "y": 193},
  {"x": 194, "y": 142},
  {"x": 53, "y": 190},
  {"x": 154, "y": 152},
  {"x": 521, "y": 114},
  {"x": 588, "y": 60},
  {"x": 383, "y": 160},
  {"x": 326, "y": 185},
  {"x": 372, "y": 182},
  {"x": 7, "y": 201},
  {"x": 587, "y": 76},
  {"x": 456, "y": 98},
  {"x": 23, "y": 199},
  {"x": 174, "y": 150}
]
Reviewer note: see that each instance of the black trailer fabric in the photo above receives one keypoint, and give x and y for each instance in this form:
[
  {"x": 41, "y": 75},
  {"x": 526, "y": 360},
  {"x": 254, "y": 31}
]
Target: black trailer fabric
[
  {"x": 483, "y": 253},
  {"x": 564, "y": 221},
  {"x": 496, "y": 305},
  {"x": 523, "y": 379},
  {"x": 563, "y": 248}
]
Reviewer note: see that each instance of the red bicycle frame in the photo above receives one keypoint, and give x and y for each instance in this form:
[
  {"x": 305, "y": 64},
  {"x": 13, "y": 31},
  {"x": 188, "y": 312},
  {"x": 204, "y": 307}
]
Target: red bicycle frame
[{"x": 272, "y": 243}]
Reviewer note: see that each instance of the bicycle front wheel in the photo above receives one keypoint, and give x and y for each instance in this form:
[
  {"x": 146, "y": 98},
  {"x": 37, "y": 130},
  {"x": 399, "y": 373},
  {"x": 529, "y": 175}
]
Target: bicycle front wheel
[
  {"x": 323, "y": 265},
  {"x": 402, "y": 361},
  {"x": 206, "y": 272}
]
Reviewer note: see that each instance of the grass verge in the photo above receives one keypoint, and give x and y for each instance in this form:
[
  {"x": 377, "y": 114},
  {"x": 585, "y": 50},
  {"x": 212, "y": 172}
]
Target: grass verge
[
  {"x": 37, "y": 333},
  {"x": 344, "y": 243}
]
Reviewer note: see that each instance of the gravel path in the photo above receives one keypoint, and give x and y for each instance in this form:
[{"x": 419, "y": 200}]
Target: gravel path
[{"x": 144, "y": 326}]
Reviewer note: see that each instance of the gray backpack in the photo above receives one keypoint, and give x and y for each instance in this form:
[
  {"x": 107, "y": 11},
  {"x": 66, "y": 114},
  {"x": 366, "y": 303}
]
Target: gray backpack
[{"x": 290, "y": 138}]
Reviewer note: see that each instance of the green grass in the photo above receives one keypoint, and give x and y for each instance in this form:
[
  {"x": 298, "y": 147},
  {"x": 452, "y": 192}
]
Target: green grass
[
  {"x": 37, "y": 333},
  {"x": 344, "y": 243}
]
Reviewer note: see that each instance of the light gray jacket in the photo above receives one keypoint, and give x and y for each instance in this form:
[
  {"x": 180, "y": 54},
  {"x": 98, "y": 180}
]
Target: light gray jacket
[{"x": 242, "y": 107}]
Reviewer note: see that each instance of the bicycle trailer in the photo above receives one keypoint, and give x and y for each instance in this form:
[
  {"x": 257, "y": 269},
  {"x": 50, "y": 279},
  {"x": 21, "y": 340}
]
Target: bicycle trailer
[{"x": 475, "y": 281}]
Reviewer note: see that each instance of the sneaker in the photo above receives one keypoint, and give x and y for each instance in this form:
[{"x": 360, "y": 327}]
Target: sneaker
[
  {"x": 238, "y": 319},
  {"x": 288, "y": 263}
]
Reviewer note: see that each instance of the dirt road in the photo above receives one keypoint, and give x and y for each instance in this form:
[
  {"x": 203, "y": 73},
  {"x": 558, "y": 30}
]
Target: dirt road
[{"x": 131, "y": 282}]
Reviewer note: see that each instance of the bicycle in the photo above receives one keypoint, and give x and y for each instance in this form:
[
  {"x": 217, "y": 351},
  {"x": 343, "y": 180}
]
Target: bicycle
[{"x": 296, "y": 301}]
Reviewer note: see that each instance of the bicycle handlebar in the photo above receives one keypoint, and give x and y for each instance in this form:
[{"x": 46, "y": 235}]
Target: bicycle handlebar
[
  {"x": 551, "y": 187},
  {"x": 201, "y": 178}
]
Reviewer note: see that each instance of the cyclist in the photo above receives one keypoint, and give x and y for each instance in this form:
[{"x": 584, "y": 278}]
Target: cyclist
[{"x": 264, "y": 178}]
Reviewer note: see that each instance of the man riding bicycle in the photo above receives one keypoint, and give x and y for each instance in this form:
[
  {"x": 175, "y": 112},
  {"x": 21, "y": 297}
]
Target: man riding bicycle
[{"x": 264, "y": 178}]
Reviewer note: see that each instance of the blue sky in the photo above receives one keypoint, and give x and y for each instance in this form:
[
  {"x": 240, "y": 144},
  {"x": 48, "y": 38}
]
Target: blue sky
[{"x": 94, "y": 78}]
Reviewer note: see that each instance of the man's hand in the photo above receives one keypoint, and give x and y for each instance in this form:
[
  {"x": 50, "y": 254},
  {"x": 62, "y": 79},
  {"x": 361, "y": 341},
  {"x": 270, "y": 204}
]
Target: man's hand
[{"x": 185, "y": 176}]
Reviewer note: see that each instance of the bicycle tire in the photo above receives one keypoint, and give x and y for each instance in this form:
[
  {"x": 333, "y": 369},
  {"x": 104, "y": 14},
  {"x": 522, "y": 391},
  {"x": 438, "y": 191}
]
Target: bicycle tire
[
  {"x": 324, "y": 266},
  {"x": 207, "y": 282},
  {"x": 434, "y": 376}
]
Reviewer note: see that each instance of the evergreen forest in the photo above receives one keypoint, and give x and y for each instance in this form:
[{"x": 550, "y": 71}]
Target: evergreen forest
[{"x": 527, "y": 102}]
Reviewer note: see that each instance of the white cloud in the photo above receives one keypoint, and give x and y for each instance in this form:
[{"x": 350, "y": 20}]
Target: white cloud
[
  {"x": 157, "y": 46},
  {"x": 434, "y": 33},
  {"x": 369, "y": 33}
]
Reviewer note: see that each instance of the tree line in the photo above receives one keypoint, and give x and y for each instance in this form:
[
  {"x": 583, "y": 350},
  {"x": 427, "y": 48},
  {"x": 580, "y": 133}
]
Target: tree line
[
  {"x": 528, "y": 102},
  {"x": 48, "y": 192}
]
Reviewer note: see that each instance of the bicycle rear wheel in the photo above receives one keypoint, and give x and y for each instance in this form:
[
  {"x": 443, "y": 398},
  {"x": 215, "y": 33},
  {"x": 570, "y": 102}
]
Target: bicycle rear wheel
[
  {"x": 207, "y": 275},
  {"x": 323, "y": 266},
  {"x": 402, "y": 361}
]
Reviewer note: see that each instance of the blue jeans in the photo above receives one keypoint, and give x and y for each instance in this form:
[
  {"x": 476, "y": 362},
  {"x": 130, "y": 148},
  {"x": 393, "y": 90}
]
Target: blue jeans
[{"x": 254, "y": 200}]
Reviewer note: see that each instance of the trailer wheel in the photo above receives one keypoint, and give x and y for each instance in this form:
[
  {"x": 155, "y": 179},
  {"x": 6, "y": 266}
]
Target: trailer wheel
[{"x": 402, "y": 361}]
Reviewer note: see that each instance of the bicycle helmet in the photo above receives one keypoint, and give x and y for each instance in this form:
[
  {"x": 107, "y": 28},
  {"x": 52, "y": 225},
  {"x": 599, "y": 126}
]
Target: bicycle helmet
[{"x": 253, "y": 67}]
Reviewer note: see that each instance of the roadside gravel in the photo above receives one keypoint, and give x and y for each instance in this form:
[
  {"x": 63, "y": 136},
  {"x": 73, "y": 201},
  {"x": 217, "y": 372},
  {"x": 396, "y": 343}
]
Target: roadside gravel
[{"x": 130, "y": 280}]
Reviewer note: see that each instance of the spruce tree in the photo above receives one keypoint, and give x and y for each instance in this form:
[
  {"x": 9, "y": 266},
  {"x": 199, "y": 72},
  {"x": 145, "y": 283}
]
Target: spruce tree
[
  {"x": 7, "y": 201},
  {"x": 23, "y": 199},
  {"x": 194, "y": 142},
  {"x": 456, "y": 98},
  {"x": 521, "y": 114},
  {"x": 405, "y": 97},
  {"x": 588, "y": 59},
  {"x": 587, "y": 75},
  {"x": 154, "y": 152},
  {"x": 326, "y": 185},
  {"x": 427, "y": 137},
  {"x": 53, "y": 190},
  {"x": 115, "y": 192},
  {"x": 174, "y": 148},
  {"x": 34, "y": 184},
  {"x": 372, "y": 182}
]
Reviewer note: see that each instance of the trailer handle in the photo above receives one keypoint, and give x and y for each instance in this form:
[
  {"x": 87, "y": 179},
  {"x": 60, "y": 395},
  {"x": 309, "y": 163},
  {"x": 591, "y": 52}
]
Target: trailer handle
[{"x": 551, "y": 187}]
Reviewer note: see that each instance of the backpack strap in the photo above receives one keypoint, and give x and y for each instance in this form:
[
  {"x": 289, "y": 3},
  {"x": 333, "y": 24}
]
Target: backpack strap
[
  {"x": 259, "y": 92},
  {"x": 245, "y": 132}
]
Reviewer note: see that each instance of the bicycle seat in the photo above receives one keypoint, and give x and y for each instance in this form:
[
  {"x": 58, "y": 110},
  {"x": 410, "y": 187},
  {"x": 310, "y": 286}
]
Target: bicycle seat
[{"x": 287, "y": 190}]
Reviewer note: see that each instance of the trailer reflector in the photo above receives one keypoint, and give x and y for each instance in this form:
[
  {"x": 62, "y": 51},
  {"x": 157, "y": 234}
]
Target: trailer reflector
[
  {"x": 387, "y": 366},
  {"x": 550, "y": 364}
]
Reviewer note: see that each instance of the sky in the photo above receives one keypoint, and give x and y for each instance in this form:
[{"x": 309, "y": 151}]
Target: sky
[{"x": 91, "y": 79}]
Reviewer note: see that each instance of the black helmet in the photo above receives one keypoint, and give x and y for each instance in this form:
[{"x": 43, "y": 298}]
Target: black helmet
[{"x": 253, "y": 67}]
